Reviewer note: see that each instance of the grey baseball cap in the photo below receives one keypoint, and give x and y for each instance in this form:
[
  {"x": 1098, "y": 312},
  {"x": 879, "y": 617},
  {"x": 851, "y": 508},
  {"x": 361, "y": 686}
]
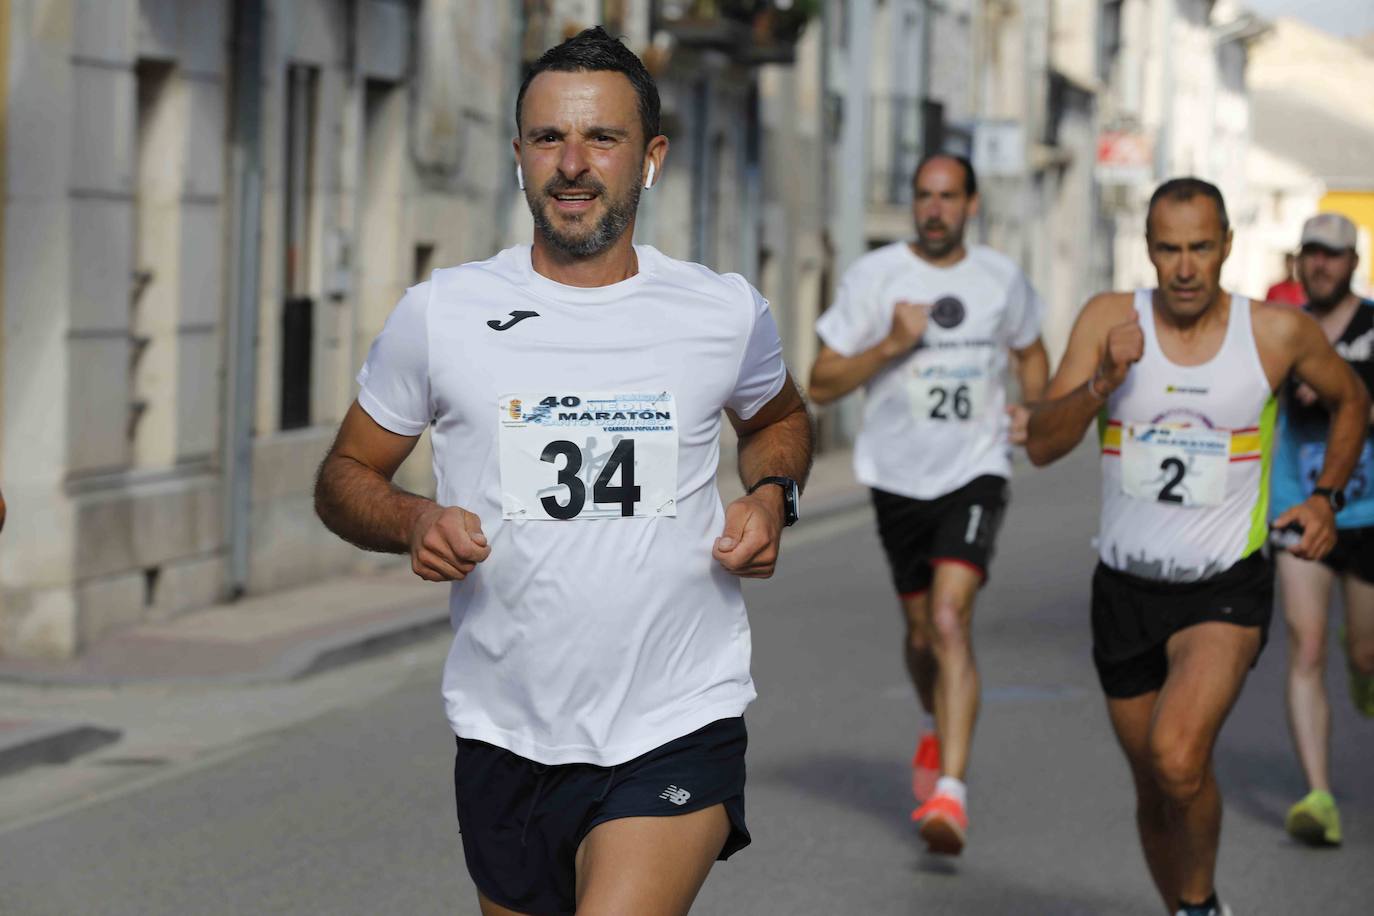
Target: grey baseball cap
[{"x": 1330, "y": 230}]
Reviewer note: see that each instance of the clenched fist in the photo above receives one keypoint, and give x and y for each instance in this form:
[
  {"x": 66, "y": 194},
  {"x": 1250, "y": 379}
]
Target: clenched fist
[
  {"x": 1125, "y": 347},
  {"x": 1019, "y": 430},
  {"x": 909, "y": 320},
  {"x": 446, "y": 544}
]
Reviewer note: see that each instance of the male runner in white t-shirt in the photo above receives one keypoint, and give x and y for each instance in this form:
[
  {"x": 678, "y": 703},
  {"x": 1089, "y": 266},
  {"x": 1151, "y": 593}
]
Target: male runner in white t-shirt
[
  {"x": 1180, "y": 380},
  {"x": 574, "y": 391},
  {"x": 926, "y": 327}
]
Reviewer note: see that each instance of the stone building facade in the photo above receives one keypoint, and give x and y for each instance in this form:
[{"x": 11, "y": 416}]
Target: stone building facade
[{"x": 210, "y": 208}]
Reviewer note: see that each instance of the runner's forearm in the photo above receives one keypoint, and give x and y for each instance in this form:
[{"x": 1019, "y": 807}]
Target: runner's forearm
[
  {"x": 1057, "y": 426},
  {"x": 364, "y": 508},
  {"x": 780, "y": 449},
  {"x": 835, "y": 376},
  {"x": 1033, "y": 372}
]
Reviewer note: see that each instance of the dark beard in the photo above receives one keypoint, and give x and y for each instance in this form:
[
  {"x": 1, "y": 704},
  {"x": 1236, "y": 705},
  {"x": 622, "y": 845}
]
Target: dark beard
[
  {"x": 618, "y": 215},
  {"x": 934, "y": 249},
  {"x": 1327, "y": 303}
]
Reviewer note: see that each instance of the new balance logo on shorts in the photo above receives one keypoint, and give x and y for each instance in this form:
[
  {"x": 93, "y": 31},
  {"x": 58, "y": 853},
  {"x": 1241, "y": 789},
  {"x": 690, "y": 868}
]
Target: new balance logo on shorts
[{"x": 675, "y": 795}]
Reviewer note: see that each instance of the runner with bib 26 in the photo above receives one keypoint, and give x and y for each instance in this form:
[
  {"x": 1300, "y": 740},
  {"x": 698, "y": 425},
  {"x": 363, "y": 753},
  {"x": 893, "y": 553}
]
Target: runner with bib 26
[{"x": 929, "y": 328}]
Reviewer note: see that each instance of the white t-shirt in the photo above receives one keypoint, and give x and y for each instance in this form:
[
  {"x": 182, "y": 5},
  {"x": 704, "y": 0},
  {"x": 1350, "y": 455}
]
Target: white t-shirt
[
  {"x": 936, "y": 418},
  {"x": 582, "y": 426}
]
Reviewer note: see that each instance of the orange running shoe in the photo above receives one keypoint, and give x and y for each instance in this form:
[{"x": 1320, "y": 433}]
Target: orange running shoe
[
  {"x": 925, "y": 767},
  {"x": 943, "y": 824}
]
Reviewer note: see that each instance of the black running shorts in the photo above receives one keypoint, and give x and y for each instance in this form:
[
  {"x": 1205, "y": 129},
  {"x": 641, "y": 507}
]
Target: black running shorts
[
  {"x": 1133, "y": 618},
  {"x": 522, "y": 821},
  {"x": 1353, "y": 554},
  {"x": 959, "y": 527}
]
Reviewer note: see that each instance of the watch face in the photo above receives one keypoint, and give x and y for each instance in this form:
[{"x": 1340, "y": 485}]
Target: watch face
[{"x": 1336, "y": 498}]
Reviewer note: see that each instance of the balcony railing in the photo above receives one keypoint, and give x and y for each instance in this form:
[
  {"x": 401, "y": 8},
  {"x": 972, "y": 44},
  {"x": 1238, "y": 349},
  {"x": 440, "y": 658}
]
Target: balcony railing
[
  {"x": 901, "y": 128},
  {"x": 895, "y": 141},
  {"x": 750, "y": 31}
]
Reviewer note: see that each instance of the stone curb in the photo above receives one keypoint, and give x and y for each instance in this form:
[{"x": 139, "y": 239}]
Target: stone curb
[
  {"x": 39, "y": 743},
  {"x": 312, "y": 656},
  {"x": 323, "y": 653}
]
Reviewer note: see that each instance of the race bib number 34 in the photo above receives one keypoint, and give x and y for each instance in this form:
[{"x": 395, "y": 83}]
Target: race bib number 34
[
  {"x": 585, "y": 455},
  {"x": 1183, "y": 465}
]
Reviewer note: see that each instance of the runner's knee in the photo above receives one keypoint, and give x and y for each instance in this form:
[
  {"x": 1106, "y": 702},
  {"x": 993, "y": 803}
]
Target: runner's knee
[
  {"x": 1179, "y": 772},
  {"x": 1307, "y": 651},
  {"x": 917, "y": 639},
  {"x": 949, "y": 624}
]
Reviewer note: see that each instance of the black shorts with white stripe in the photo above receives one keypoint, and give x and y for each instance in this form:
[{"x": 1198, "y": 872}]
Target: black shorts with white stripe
[{"x": 960, "y": 527}]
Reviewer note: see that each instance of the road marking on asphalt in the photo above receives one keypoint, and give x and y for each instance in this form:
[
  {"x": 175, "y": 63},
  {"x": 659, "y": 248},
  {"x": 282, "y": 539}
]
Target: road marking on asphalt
[
  {"x": 1005, "y": 693},
  {"x": 112, "y": 791},
  {"x": 813, "y": 531}
]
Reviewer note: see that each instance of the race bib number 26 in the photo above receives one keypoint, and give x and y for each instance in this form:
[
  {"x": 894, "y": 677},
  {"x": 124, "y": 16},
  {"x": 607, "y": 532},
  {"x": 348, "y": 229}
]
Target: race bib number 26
[
  {"x": 1183, "y": 465},
  {"x": 588, "y": 455},
  {"x": 949, "y": 393}
]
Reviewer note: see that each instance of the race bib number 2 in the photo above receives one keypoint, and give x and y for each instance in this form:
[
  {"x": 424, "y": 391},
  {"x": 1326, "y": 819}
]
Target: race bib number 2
[
  {"x": 583, "y": 455},
  {"x": 1183, "y": 465}
]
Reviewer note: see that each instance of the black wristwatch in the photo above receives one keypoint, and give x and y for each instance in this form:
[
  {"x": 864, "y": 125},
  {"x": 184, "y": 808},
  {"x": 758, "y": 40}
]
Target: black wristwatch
[
  {"x": 791, "y": 498},
  {"x": 1333, "y": 495}
]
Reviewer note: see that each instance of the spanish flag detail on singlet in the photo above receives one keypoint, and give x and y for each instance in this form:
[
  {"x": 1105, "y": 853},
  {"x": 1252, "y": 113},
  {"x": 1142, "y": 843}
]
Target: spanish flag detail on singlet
[{"x": 1185, "y": 457}]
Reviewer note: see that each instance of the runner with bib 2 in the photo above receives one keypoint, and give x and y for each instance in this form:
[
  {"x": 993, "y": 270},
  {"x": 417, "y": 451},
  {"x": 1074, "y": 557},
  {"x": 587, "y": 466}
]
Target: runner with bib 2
[{"x": 1181, "y": 379}]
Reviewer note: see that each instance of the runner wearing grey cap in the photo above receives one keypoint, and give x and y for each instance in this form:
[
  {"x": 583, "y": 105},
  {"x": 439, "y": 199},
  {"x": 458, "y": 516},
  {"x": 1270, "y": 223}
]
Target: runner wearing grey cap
[{"x": 1326, "y": 265}]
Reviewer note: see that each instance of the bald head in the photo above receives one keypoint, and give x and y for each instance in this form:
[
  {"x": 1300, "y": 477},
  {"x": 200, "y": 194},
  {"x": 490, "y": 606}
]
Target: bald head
[{"x": 944, "y": 197}]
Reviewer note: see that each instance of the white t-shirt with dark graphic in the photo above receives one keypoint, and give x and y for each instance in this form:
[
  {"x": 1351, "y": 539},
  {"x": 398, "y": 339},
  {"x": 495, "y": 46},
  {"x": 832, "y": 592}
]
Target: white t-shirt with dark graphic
[
  {"x": 582, "y": 426},
  {"x": 936, "y": 418}
]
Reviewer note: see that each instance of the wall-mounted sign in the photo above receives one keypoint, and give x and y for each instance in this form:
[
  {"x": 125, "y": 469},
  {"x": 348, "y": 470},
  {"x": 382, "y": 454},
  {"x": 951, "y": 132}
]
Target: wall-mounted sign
[{"x": 1124, "y": 157}]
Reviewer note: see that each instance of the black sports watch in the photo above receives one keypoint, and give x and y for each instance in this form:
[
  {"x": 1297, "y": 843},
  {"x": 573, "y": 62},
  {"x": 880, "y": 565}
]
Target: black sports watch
[
  {"x": 791, "y": 498},
  {"x": 1334, "y": 495}
]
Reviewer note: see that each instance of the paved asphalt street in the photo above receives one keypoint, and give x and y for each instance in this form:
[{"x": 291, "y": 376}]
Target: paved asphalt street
[{"x": 349, "y": 811}]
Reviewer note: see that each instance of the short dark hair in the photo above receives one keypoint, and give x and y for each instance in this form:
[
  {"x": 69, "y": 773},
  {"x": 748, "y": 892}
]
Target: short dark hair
[
  {"x": 595, "y": 49},
  {"x": 970, "y": 178},
  {"x": 1185, "y": 189}
]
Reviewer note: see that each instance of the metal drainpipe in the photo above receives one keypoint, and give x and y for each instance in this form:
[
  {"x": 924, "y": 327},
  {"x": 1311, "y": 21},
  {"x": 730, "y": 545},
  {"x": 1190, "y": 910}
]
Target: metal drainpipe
[
  {"x": 928, "y": 9},
  {"x": 702, "y": 212},
  {"x": 4, "y": 158},
  {"x": 1163, "y": 152},
  {"x": 241, "y": 355},
  {"x": 852, "y": 205}
]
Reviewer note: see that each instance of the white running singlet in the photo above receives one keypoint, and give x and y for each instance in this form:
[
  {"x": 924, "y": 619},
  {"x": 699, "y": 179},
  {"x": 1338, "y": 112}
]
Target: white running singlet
[
  {"x": 1185, "y": 457},
  {"x": 582, "y": 426},
  {"x": 936, "y": 418}
]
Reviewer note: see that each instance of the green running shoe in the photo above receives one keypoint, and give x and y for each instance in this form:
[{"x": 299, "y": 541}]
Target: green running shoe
[
  {"x": 1361, "y": 685},
  {"x": 1315, "y": 820}
]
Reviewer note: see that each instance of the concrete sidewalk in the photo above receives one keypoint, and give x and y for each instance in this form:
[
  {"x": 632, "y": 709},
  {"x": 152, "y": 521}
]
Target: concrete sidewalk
[{"x": 288, "y": 635}]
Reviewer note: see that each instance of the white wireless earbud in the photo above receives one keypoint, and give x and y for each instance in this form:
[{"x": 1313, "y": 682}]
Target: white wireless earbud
[
  {"x": 520, "y": 176},
  {"x": 649, "y": 181}
]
